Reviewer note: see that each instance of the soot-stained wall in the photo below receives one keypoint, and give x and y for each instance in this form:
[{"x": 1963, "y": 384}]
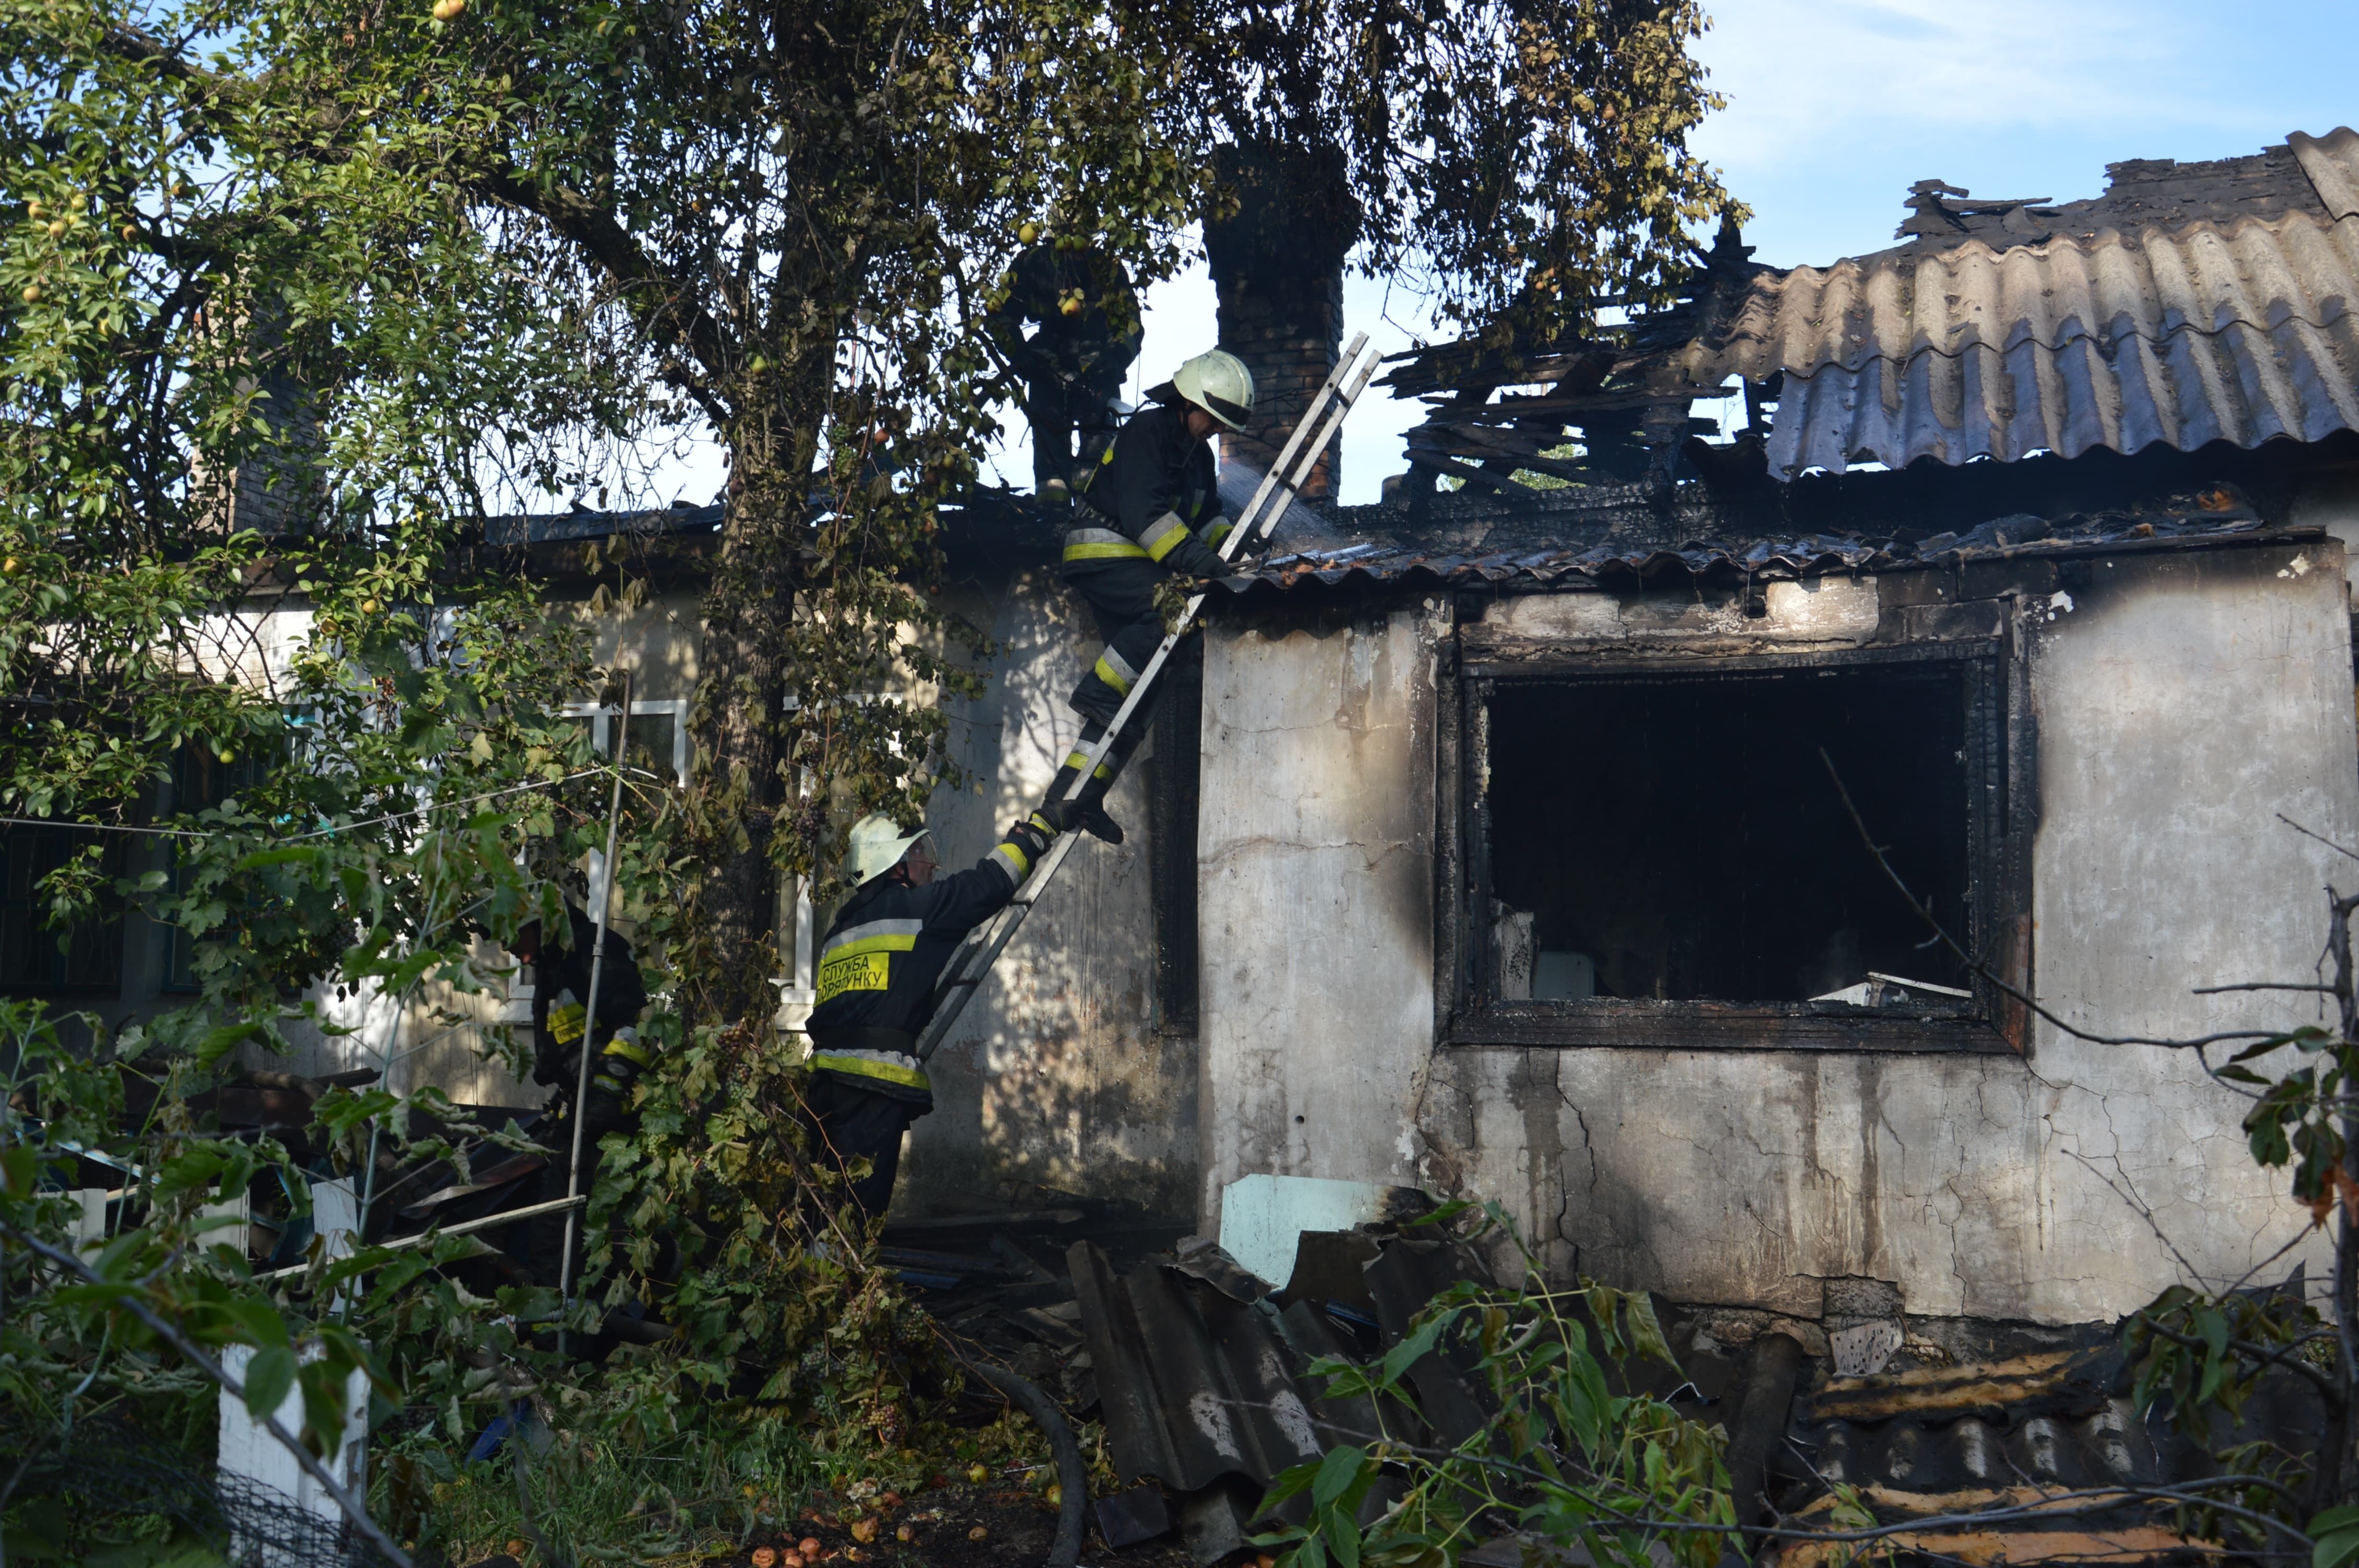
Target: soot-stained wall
[{"x": 2181, "y": 701}]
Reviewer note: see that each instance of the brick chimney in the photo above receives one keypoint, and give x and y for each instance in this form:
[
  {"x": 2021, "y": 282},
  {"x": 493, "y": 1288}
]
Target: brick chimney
[{"x": 1282, "y": 221}]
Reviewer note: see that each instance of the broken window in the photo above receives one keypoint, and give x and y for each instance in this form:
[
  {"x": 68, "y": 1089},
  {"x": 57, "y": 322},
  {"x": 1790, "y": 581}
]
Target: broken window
[{"x": 1662, "y": 854}]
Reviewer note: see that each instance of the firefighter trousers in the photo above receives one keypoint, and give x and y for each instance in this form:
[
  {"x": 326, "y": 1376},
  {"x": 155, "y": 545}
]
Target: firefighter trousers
[{"x": 1121, "y": 595}]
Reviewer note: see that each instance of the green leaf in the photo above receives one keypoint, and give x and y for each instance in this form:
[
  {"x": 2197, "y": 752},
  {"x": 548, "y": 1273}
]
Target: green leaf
[
  {"x": 268, "y": 1378},
  {"x": 1336, "y": 1472},
  {"x": 219, "y": 1042},
  {"x": 1292, "y": 1481},
  {"x": 2335, "y": 1549},
  {"x": 1646, "y": 1330},
  {"x": 2333, "y": 1520},
  {"x": 2213, "y": 1329},
  {"x": 1413, "y": 1348}
]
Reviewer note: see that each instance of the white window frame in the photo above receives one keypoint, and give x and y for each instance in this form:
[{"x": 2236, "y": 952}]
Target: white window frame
[
  {"x": 800, "y": 987},
  {"x": 601, "y": 722}
]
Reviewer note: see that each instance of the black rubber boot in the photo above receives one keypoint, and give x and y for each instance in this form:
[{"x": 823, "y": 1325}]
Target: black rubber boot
[
  {"x": 1092, "y": 803},
  {"x": 1093, "y": 797}
]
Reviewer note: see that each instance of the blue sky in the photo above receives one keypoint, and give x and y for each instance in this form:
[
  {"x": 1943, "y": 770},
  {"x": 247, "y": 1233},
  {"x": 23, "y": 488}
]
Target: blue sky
[{"x": 1837, "y": 106}]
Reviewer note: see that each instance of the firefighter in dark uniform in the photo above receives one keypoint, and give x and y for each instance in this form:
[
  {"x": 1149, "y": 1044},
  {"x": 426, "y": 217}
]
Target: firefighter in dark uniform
[
  {"x": 1074, "y": 363},
  {"x": 877, "y": 970},
  {"x": 560, "y": 1023},
  {"x": 1137, "y": 521}
]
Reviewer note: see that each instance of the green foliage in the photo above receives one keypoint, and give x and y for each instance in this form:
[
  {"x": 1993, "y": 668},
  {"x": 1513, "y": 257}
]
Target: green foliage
[
  {"x": 1529, "y": 156},
  {"x": 293, "y": 297},
  {"x": 1563, "y": 1457}
]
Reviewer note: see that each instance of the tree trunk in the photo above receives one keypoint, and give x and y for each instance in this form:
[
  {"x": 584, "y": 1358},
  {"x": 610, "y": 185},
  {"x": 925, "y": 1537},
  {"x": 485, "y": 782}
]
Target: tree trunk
[{"x": 746, "y": 686}]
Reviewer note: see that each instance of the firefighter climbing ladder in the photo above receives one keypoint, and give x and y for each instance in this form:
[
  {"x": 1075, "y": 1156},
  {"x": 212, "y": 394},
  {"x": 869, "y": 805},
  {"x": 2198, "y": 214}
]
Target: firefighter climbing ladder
[{"x": 1270, "y": 498}]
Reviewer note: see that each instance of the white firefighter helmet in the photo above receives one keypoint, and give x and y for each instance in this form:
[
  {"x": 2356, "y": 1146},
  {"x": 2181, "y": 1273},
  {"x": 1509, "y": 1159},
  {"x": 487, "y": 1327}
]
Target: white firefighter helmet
[
  {"x": 877, "y": 846},
  {"x": 1218, "y": 383}
]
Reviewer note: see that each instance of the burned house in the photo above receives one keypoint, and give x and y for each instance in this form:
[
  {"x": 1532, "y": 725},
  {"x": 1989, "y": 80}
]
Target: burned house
[{"x": 1513, "y": 839}]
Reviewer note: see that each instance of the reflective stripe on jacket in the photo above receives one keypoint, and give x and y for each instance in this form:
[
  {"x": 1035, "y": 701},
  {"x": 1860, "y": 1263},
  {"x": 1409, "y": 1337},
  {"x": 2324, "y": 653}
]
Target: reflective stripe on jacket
[
  {"x": 1146, "y": 496},
  {"x": 894, "y": 1072},
  {"x": 886, "y": 953}
]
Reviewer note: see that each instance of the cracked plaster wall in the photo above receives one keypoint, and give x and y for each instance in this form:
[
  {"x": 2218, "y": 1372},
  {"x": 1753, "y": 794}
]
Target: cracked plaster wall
[
  {"x": 2182, "y": 701},
  {"x": 1315, "y": 879}
]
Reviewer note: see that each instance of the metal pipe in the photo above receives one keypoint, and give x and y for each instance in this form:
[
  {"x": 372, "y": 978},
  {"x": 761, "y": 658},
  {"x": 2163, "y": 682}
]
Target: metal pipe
[
  {"x": 489, "y": 1222},
  {"x": 590, "y": 1018}
]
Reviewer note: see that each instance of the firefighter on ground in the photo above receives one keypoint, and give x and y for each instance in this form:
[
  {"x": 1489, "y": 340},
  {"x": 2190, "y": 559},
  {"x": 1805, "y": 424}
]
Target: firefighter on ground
[
  {"x": 1150, "y": 508},
  {"x": 562, "y": 1026},
  {"x": 877, "y": 970},
  {"x": 1073, "y": 364}
]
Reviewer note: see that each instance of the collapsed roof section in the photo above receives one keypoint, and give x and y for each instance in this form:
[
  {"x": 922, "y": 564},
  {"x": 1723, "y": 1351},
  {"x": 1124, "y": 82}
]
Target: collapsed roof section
[{"x": 2190, "y": 304}]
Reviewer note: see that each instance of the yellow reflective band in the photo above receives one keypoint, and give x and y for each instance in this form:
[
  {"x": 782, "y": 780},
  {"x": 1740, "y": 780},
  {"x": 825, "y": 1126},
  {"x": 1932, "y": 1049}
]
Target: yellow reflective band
[
  {"x": 1100, "y": 544},
  {"x": 630, "y": 1050},
  {"x": 1163, "y": 535},
  {"x": 1221, "y": 529},
  {"x": 1081, "y": 759},
  {"x": 855, "y": 972},
  {"x": 601, "y": 1081},
  {"x": 1102, "y": 551},
  {"x": 1112, "y": 676},
  {"x": 1017, "y": 863},
  {"x": 889, "y": 943},
  {"x": 566, "y": 1022},
  {"x": 1044, "y": 824},
  {"x": 869, "y": 1066}
]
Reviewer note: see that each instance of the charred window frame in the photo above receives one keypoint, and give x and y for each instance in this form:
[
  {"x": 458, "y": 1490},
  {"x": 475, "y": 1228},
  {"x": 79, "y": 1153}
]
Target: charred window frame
[{"x": 1995, "y": 735}]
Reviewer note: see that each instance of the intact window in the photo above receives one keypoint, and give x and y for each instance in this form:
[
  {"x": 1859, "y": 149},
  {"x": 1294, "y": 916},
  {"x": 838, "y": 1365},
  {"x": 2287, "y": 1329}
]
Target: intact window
[{"x": 1662, "y": 854}]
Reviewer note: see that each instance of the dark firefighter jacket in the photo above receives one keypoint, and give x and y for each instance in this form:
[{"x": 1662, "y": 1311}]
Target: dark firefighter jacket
[
  {"x": 885, "y": 954},
  {"x": 561, "y": 996},
  {"x": 1071, "y": 347},
  {"x": 1153, "y": 488}
]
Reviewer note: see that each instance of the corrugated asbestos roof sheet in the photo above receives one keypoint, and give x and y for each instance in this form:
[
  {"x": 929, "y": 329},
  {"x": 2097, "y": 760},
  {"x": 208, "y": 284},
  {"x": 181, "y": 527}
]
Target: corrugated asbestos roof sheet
[
  {"x": 1204, "y": 1387},
  {"x": 2121, "y": 335},
  {"x": 2236, "y": 332}
]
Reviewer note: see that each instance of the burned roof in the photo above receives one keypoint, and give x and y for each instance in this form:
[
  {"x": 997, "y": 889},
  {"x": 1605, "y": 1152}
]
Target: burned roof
[
  {"x": 2191, "y": 303},
  {"x": 2148, "y": 193},
  {"x": 1616, "y": 548}
]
